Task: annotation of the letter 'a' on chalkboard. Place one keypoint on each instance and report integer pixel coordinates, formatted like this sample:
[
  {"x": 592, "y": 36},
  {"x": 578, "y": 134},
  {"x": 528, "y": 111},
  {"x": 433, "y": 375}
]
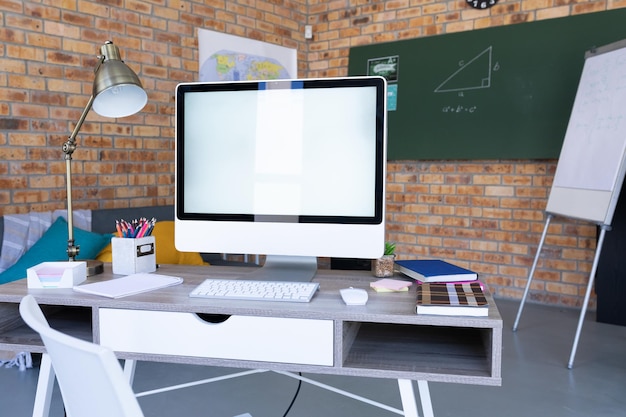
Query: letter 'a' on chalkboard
[{"x": 592, "y": 164}]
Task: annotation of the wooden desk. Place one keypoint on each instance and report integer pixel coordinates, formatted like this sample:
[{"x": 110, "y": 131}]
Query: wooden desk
[{"x": 383, "y": 339}]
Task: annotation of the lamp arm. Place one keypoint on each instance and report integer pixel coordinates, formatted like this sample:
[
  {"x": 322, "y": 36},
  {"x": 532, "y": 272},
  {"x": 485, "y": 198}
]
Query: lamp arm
[{"x": 68, "y": 149}]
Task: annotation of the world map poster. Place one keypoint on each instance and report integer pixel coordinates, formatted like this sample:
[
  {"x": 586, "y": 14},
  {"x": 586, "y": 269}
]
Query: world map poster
[{"x": 224, "y": 57}]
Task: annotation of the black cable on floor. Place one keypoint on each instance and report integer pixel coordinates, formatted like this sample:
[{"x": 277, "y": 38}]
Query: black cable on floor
[{"x": 295, "y": 395}]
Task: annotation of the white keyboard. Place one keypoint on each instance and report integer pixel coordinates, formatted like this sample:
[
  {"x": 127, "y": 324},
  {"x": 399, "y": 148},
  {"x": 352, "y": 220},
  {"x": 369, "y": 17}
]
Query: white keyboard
[{"x": 239, "y": 289}]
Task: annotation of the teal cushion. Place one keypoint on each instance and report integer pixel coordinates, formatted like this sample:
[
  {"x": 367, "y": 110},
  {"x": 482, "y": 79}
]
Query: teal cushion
[{"x": 52, "y": 247}]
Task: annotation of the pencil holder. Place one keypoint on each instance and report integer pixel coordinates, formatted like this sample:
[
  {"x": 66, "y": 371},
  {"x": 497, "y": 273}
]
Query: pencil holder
[{"x": 131, "y": 256}]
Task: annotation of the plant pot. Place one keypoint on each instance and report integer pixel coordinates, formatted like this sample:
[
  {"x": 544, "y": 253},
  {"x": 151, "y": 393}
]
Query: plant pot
[{"x": 383, "y": 267}]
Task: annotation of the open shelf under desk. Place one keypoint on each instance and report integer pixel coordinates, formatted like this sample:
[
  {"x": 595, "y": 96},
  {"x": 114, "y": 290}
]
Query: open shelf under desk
[
  {"x": 17, "y": 336},
  {"x": 458, "y": 354}
]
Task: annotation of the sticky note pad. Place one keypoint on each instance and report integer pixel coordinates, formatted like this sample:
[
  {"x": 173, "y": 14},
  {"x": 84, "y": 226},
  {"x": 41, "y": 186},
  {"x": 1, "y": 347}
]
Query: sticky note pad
[{"x": 388, "y": 285}]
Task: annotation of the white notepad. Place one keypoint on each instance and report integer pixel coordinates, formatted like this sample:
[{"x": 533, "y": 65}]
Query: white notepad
[{"x": 129, "y": 285}]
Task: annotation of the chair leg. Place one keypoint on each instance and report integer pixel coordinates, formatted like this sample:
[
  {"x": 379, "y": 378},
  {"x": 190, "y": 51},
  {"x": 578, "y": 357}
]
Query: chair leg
[{"x": 45, "y": 383}]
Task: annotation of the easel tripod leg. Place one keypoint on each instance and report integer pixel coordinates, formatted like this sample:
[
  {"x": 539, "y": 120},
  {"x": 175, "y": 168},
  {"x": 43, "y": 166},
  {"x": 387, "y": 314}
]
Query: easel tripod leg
[
  {"x": 583, "y": 309},
  {"x": 532, "y": 271}
]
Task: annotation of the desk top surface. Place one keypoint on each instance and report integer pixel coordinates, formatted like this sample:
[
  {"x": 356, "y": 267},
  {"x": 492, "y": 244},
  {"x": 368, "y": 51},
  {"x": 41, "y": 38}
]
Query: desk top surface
[{"x": 397, "y": 307}]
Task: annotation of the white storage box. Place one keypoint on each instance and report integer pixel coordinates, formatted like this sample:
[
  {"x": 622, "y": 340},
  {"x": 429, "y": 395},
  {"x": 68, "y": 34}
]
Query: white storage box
[
  {"x": 56, "y": 274},
  {"x": 131, "y": 256}
]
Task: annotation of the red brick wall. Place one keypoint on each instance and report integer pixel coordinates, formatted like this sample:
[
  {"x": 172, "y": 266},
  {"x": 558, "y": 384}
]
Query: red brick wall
[
  {"x": 483, "y": 214},
  {"x": 47, "y": 55},
  {"x": 488, "y": 216}
]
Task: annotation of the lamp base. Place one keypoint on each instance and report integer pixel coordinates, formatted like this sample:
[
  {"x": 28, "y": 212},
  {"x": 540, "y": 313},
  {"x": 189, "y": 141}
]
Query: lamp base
[{"x": 94, "y": 267}]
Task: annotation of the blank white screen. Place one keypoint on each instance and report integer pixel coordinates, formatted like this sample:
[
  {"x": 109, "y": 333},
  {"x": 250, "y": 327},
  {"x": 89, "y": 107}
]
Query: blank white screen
[{"x": 281, "y": 152}]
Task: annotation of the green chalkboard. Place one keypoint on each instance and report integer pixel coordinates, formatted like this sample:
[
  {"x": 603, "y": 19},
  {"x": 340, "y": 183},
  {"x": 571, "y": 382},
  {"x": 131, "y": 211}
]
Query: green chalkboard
[{"x": 496, "y": 93}]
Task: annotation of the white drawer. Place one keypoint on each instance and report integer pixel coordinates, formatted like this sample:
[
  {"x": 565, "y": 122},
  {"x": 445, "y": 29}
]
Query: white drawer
[{"x": 268, "y": 339}]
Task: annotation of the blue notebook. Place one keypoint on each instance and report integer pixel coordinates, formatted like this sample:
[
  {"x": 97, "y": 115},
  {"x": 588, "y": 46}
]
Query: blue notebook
[{"x": 434, "y": 270}]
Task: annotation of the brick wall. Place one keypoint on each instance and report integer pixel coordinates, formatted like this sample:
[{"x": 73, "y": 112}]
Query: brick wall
[
  {"x": 488, "y": 216},
  {"x": 485, "y": 214},
  {"x": 47, "y": 55}
]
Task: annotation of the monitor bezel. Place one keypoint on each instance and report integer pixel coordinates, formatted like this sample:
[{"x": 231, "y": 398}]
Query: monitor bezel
[{"x": 380, "y": 157}]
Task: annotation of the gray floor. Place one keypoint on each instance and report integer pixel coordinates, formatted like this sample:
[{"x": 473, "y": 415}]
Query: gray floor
[{"x": 536, "y": 381}]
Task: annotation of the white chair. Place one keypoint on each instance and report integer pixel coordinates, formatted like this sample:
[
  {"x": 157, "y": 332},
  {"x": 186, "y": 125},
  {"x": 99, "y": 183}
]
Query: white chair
[{"x": 91, "y": 379}]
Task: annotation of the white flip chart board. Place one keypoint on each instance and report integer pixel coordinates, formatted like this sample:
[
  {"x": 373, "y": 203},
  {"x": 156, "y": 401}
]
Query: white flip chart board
[{"x": 591, "y": 167}]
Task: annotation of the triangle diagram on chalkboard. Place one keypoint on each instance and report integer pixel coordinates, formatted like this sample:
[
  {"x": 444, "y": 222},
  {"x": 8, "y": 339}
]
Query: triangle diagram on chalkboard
[{"x": 472, "y": 75}]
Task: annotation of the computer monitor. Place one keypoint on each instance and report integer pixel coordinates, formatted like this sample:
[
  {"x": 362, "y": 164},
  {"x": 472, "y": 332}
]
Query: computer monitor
[{"x": 291, "y": 169}]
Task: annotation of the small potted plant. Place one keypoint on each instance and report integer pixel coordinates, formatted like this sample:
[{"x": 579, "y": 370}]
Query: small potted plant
[{"x": 383, "y": 266}]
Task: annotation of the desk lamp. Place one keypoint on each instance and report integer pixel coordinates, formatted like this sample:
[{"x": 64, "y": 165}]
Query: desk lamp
[{"x": 117, "y": 92}]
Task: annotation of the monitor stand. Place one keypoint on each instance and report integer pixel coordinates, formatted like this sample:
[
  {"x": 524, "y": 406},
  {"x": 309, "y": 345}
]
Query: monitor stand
[{"x": 285, "y": 268}]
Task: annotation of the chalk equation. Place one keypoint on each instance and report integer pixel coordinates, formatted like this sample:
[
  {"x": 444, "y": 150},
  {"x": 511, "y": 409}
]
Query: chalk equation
[{"x": 459, "y": 109}]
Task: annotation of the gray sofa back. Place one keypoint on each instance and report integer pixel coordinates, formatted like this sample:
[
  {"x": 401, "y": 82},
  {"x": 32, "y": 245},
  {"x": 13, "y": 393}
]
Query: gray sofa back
[{"x": 103, "y": 220}]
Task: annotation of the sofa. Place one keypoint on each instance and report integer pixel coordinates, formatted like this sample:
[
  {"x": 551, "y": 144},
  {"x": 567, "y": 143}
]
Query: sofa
[
  {"x": 94, "y": 243},
  {"x": 103, "y": 220}
]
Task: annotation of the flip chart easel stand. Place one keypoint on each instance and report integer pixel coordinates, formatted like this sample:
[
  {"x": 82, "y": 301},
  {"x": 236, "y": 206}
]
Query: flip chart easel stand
[
  {"x": 592, "y": 164},
  {"x": 603, "y": 229}
]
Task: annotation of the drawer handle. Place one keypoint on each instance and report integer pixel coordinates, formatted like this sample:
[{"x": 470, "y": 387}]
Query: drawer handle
[{"x": 213, "y": 318}]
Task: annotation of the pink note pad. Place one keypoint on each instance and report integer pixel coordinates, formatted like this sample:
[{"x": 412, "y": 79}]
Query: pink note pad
[{"x": 391, "y": 284}]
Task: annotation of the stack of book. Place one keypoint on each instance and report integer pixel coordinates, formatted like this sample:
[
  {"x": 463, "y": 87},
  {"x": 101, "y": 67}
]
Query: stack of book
[
  {"x": 444, "y": 288},
  {"x": 434, "y": 270},
  {"x": 452, "y": 299}
]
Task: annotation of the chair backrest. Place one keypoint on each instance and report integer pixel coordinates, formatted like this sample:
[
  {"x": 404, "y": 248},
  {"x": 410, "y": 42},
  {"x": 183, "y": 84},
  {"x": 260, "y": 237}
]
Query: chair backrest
[{"x": 90, "y": 377}]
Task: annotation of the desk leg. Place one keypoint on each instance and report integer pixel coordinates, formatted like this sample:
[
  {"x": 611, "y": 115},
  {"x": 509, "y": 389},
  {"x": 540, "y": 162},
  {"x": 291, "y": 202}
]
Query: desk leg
[
  {"x": 427, "y": 405},
  {"x": 45, "y": 384},
  {"x": 129, "y": 370},
  {"x": 407, "y": 396}
]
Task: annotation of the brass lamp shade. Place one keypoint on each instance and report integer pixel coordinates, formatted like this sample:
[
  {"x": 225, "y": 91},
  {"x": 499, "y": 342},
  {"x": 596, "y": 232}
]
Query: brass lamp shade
[{"x": 117, "y": 90}]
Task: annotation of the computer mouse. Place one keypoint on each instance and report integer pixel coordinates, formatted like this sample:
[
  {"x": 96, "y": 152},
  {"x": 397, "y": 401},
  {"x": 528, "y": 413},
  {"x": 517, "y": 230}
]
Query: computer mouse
[{"x": 354, "y": 296}]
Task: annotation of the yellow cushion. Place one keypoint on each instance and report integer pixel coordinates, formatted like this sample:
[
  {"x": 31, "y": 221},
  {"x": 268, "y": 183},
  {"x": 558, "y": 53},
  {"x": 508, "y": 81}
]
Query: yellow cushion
[
  {"x": 106, "y": 254},
  {"x": 166, "y": 253}
]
